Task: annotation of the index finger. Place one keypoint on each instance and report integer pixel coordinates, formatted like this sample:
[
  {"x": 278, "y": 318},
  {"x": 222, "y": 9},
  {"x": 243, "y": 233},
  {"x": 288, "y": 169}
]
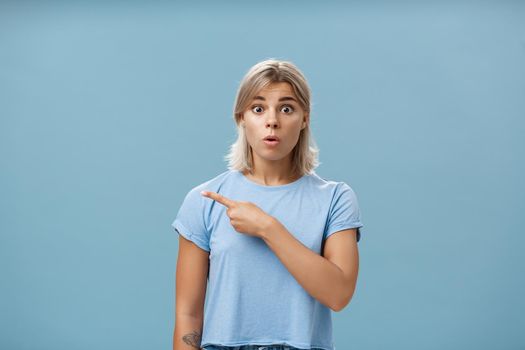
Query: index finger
[{"x": 219, "y": 198}]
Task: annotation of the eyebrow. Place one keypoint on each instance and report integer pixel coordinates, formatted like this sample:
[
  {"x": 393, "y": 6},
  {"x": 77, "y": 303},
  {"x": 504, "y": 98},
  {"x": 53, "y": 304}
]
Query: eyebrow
[{"x": 285, "y": 98}]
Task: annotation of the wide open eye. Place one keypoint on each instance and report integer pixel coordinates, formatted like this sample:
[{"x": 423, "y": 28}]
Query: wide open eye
[
  {"x": 257, "y": 106},
  {"x": 290, "y": 108}
]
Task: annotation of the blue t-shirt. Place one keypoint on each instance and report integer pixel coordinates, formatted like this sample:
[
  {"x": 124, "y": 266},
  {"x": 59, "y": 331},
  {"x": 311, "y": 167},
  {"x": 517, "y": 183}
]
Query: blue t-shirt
[{"x": 251, "y": 297}]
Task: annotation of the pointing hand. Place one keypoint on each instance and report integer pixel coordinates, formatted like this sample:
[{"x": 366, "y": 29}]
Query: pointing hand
[{"x": 245, "y": 217}]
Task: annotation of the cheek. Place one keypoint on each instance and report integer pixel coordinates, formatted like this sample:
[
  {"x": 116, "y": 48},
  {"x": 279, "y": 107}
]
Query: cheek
[
  {"x": 252, "y": 126},
  {"x": 296, "y": 133},
  {"x": 294, "y": 127},
  {"x": 250, "y": 133}
]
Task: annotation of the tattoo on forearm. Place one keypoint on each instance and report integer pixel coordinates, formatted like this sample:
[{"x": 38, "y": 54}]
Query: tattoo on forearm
[{"x": 193, "y": 339}]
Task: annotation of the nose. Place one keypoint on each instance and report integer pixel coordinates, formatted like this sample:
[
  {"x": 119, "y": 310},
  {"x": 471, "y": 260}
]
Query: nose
[{"x": 272, "y": 120}]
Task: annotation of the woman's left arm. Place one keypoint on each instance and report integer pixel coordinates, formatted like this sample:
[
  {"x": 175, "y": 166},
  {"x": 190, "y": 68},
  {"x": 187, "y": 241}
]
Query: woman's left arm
[{"x": 331, "y": 279}]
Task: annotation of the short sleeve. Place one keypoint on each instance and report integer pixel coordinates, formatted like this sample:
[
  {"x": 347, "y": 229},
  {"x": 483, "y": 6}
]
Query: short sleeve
[
  {"x": 190, "y": 220},
  {"x": 344, "y": 212}
]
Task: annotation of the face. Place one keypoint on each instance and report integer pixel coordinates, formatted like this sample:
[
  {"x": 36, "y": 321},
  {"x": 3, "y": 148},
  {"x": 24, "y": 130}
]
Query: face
[{"x": 274, "y": 111}]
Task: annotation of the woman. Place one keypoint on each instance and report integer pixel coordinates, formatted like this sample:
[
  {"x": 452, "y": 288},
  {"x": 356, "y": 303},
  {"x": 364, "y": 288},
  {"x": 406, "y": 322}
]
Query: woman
[{"x": 281, "y": 241}]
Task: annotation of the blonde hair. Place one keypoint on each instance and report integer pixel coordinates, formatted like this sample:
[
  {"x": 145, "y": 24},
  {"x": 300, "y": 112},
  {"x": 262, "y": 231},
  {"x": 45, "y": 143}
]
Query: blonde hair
[{"x": 305, "y": 153}]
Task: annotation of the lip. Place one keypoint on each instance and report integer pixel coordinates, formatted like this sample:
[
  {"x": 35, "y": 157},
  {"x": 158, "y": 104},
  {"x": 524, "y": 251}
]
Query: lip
[
  {"x": 271, "y": 143},
  {"x": 272, "y": 136}
]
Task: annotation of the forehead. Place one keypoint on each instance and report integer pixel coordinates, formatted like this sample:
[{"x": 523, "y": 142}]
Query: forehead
[{"x": 279, "y": 88}]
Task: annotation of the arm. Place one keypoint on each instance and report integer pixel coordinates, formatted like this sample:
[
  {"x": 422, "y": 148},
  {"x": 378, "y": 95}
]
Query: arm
[
  {"x": 191, "y": 281},
  {"x": 187, "y": 333},
  {"x": 331, "y": 278}
]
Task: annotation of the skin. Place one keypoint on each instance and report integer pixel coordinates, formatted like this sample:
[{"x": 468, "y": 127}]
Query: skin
[
  {"x": 331, "y": 277},
  {"x": 286, "y": 119},
  {"x": 272, "y": 165}
]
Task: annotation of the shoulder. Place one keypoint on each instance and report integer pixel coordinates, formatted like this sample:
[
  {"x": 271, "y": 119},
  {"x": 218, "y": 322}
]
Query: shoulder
[
  {"x": 335, "y": 188},
  {"x": 194, "y": 202},
  {"x": 212, "y": 184}
]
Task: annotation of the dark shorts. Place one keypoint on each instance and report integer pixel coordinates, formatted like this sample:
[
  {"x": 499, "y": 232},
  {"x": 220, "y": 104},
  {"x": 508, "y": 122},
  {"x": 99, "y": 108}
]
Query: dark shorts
[{"x": 254, "y": 347}]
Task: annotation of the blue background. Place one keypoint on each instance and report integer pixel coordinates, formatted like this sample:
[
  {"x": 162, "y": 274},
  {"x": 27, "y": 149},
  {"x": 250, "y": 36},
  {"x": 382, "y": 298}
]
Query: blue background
[{"x": 112, "y": 111}]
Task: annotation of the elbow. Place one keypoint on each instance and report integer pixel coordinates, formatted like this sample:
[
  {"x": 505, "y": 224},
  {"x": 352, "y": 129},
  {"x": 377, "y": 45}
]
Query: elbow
[
  {"x": 339, "y": 306},
  {"x": 343, "y": 300},
  {"x": 344, "y": 293}
]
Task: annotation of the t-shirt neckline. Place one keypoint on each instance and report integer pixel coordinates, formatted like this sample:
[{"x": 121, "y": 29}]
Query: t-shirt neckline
[{"x": 270, "y": 188}]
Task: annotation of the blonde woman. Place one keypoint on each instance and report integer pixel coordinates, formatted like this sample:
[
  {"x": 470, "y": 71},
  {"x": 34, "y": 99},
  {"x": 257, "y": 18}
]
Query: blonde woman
[{"x": 267, "y": 249}]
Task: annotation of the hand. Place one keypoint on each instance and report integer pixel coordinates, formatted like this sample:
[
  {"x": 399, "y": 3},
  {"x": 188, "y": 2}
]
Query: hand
[{"x": 245, "y": 217}]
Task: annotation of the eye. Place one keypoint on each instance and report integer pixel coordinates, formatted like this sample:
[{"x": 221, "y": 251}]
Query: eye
[
  {"x": 256, "y": 106},
  {"x": 289, "y": 107}
]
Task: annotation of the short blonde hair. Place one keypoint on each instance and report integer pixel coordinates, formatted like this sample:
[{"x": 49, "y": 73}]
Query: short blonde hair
[{"x": 305, "y": 153}]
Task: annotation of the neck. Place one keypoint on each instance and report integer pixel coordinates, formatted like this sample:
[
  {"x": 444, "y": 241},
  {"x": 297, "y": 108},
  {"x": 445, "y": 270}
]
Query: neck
[{"x": 272, "y": 172}]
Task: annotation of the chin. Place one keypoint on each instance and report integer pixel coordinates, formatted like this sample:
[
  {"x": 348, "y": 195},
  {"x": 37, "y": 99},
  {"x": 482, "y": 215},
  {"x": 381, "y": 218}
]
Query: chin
[{"x": 273, "y": 156}]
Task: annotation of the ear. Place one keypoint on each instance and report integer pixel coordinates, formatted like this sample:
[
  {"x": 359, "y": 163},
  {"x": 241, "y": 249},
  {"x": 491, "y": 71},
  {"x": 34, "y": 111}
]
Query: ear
[{"x": 306, "y": 120}]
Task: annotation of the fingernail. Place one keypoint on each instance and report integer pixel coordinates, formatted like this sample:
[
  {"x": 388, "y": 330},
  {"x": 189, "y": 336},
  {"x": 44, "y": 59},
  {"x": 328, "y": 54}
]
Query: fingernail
[{"x": 204, "y": 192}]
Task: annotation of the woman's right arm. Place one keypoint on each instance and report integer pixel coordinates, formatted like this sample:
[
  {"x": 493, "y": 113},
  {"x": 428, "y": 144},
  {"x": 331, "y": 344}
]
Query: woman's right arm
[{"x": 190, "y": 293}]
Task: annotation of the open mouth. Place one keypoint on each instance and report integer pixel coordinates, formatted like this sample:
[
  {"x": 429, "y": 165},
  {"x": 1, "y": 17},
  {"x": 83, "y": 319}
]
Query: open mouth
[
  {"x": 271, "y": 141},
  {"x": 271, "y": 138}
]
